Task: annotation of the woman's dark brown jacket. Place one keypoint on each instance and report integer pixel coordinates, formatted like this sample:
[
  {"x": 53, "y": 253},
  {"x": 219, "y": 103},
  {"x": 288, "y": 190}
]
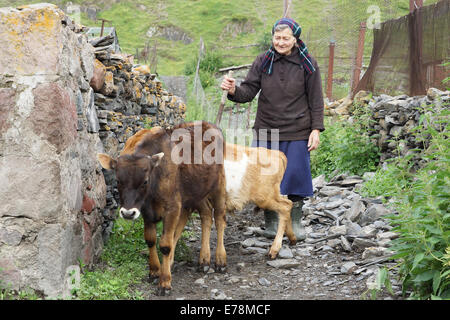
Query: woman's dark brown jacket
[{"x": 291, "y": 99}]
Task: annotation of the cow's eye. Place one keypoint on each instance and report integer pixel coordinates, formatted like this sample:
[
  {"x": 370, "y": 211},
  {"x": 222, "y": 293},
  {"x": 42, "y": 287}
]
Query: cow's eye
[{"x": 145, "y": 182}]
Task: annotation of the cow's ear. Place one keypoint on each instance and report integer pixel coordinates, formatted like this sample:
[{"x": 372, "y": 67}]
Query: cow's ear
[
  {"x": 156, "y": 159},
  {"x": 106, "y": 161}
]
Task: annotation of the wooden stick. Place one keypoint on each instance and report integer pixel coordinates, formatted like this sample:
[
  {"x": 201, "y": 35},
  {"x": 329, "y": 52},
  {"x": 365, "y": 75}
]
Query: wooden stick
[
  {"x": 235, "y": 67},
  {"x": 379, "y": 260},
  {"x": 222, "y": 102}
]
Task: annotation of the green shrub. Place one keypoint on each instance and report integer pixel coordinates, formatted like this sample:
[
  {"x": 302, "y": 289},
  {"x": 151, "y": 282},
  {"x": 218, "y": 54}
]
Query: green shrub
[
  {"x": 345, "y": 147},
  {"x": 424, "y": 219},
  {"x": 264, "y": 41},
  {"x": 386, "y": 182},
  {"x": 394, "y": 176},
  {"x": 209, "y": 64},
  {"x": 190, "y": 67},
  {"x": 207, "y": 79},
  {"x": 422, "y": 201}
]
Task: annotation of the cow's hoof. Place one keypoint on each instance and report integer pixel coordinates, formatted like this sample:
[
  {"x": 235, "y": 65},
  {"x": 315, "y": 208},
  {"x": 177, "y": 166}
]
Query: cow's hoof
[
  {"x": 203, "y": 268},
  {"x": 272, "y": 255},
  {"x": 293, "y": 242},
  {"x": 221, "y": 269},
  {"x": 160, "y": 291}
]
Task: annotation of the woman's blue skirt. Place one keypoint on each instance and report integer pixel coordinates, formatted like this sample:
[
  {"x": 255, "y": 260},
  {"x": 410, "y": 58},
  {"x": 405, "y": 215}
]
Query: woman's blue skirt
[{"x": 297, "y": 179}]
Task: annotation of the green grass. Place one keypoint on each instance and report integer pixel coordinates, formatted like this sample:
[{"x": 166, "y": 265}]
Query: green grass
[
  {"x": 129, "y": 21},
  {"x": 124, "y": 264}
]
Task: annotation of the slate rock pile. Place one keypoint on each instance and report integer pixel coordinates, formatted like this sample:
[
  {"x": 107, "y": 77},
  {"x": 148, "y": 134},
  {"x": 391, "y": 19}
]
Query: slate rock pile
[
  {"x": 394, "y": 118},
  {"x": 339, "y": 222},
  {"x": 346, "y": 220},
  {"x": 128, "y": 97},
  {"x": 336, "y": 219},
  {"x": 125, "y": 98}
]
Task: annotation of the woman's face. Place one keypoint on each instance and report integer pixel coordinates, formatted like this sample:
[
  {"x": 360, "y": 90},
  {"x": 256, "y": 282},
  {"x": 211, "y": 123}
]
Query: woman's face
[{"x": 283, "y": 41}]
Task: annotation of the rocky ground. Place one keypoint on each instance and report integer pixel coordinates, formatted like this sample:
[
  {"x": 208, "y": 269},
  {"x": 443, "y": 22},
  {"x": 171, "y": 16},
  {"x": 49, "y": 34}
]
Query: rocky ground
[{"x": 347, "y": 243}]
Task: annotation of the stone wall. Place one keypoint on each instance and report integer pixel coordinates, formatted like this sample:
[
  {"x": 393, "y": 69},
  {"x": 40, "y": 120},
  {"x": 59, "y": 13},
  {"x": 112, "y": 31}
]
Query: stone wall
[
  {"x": 127, "y": 98},
  {"x": 394, "y": 118},
  {"x": 52, "y": 190},
  {"x": 55, "y": 207}
]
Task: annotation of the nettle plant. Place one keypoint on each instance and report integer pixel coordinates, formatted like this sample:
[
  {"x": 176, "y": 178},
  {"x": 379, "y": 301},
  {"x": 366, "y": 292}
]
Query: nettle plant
[{"x": 422, "y": 201}]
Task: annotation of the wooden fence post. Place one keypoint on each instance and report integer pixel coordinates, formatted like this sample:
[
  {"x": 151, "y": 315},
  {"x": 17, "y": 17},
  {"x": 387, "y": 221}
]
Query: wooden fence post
[
  {"x": 103, "y": 26},
  {"x": 330, "y": 71},
  {"x": 413, "y": 4},
  {"x": 287, "y": 9},
  {"x": 359, "y": 56}
]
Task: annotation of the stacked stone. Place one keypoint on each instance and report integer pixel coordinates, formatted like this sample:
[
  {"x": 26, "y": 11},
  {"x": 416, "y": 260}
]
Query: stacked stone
[
  {"x": 398, "y": 117},
  {"x": 62, "y": 101},
  {"x": 127, "y": 98},
  {"x": 394, "y": 118}
]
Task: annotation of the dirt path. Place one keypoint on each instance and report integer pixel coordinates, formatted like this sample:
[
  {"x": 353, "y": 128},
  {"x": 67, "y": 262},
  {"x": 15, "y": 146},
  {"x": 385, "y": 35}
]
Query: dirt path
[{"x": 315, "y": 270}]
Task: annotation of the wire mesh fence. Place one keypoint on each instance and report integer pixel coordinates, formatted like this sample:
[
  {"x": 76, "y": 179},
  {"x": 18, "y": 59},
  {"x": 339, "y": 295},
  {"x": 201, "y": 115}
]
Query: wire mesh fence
[{"x": 409, "y": 52}]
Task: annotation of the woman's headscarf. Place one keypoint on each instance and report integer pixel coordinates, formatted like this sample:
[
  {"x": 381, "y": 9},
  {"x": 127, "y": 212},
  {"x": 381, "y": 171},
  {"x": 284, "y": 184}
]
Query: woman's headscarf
[{"x": 303, "y": 50}]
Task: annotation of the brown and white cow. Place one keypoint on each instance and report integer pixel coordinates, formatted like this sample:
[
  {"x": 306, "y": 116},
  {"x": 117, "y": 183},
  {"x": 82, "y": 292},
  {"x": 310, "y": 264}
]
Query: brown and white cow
[
  {"x": 153, "y": 185},
  {"x": 253, "y": 175}
]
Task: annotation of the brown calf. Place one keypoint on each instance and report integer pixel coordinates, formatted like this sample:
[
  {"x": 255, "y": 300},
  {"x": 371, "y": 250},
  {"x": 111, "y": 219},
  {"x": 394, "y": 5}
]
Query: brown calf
[
  {"x": 253, "y": 175},
  {"x": 165, "y": 180}
]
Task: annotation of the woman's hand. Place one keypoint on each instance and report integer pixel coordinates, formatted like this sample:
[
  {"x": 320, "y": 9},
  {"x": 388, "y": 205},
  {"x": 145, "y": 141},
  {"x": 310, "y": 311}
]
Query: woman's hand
[
  {"x": 314, "y": 140},
  {"x": 228, "y": 84}
]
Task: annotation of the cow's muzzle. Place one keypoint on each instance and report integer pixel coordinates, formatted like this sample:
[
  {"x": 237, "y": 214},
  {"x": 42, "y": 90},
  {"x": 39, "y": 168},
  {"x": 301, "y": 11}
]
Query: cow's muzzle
[{"x": 130, "y": 214}]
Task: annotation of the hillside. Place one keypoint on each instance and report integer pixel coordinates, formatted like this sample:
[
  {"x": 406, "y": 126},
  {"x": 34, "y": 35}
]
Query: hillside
[
  {"x": 224, "y": 23},
  {"x": 232, "y": 29}
]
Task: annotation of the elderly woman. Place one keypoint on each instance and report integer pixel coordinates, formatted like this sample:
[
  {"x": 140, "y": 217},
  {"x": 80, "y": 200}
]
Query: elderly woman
[{"x": 291, "y": 102}]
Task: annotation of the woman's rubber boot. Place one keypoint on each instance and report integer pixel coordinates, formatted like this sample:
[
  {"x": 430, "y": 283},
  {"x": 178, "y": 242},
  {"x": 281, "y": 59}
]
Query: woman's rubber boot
[
  {"x": 296, "y": 217},
  {"x": 271, "y": 224}
]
